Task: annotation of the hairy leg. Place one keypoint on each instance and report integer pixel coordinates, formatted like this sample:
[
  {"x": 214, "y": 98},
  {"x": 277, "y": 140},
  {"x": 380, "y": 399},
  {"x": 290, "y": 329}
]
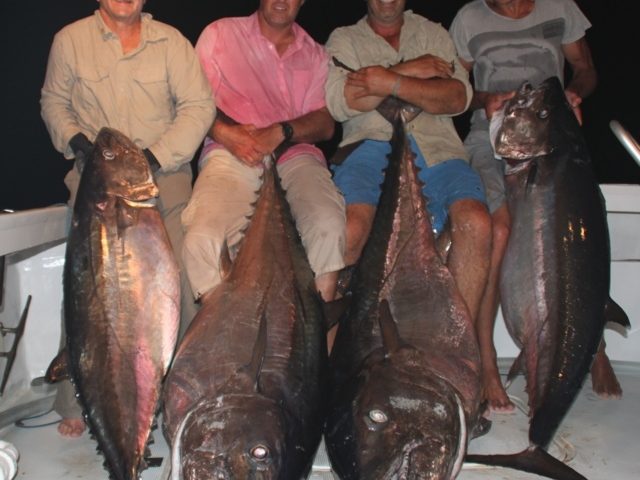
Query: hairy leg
[
  {"x": 469, "y": 256},
  {"x": 493, "y": 390},
  {"x": 359, "y": 222}
]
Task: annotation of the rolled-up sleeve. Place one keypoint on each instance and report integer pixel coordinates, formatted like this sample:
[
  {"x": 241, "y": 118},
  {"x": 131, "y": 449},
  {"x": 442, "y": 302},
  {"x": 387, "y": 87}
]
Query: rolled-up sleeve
[{"x": 341, "y": 47}]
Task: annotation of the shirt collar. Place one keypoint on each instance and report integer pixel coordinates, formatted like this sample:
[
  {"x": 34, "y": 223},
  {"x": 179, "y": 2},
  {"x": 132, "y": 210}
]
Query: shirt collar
[
  {"x": 407, "y": 31},
  {"x": 298, "y": 33},
  {"x": 149, "y": 32}
]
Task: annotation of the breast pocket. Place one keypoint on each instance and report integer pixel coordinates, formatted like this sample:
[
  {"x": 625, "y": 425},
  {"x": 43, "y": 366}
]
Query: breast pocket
[
  {"x": 153, "y": 95},
  {"x": 90, "y": 90}
]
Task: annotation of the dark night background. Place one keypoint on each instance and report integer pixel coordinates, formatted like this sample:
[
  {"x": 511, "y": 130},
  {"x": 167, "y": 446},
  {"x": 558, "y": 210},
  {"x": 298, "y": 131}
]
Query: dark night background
[{"x": 32, "y": 171}]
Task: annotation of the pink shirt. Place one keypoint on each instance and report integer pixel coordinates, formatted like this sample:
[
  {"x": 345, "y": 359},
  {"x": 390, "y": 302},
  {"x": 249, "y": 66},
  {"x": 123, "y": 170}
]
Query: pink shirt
[{"x": 254, "y": 85}]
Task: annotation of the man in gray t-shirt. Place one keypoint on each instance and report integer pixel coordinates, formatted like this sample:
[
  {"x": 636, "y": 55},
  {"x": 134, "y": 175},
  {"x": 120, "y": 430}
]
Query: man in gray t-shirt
[{"x": 506, "y": 42}]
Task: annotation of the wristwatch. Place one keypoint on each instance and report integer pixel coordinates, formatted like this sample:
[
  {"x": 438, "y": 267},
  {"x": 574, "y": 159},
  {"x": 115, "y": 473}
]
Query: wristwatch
[{"x": 287, "y": 131}]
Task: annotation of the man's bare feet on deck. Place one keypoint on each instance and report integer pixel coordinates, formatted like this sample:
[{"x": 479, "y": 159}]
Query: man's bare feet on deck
[
  {"x": 494, "y": 393},
  {"x": 603, "y": 379},
  {"x": 71, "y": 427}
]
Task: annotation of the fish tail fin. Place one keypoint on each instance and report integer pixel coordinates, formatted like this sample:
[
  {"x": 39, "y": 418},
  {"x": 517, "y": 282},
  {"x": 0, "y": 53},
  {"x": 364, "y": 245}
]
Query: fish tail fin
[{"x": 533, "y": 460}]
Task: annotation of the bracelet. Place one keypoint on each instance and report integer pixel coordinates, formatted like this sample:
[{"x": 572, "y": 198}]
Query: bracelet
[{"x": 396, "y": 87}]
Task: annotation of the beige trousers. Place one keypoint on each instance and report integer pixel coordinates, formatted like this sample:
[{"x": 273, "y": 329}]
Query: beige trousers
[{"x": 222, "y": 204}]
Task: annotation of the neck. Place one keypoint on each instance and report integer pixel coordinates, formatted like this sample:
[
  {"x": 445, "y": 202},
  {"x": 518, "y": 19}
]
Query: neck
[
  {"x": 121, "y": 26},
  {"x": 389, "y": 31},
  {"x": 512, "y": 9},
  {"x": 281, "y": 37},
  {"x": 127, "y": 31}
]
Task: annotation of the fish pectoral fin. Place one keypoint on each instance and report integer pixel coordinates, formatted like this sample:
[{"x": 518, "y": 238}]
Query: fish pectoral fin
[
  {"x": 335, "y": 309},
  {"x": 481, "y": 427},
  {"x": 615, "y": 314},
  {"x": 58, "y": 368},
  {"x": 391, "y": 339},
  {"x": 516, "y": 369}
]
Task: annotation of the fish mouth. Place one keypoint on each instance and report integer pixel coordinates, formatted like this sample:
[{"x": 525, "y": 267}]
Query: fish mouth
[
  {"x": 401, "y": 468},
  {"x": 142, "y": 195}
]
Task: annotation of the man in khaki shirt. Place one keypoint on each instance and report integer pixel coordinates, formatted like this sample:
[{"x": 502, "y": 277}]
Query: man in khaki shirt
[
  {"x": 399, "y": 53},
  {"x": 121, "y": 69}
]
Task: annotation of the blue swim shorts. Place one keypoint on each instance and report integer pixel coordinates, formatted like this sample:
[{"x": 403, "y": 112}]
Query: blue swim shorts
[{"x": 359, "y": 178}]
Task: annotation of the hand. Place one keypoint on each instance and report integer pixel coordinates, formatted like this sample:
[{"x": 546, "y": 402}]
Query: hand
[
  {"x": 81, "y": 147},
  {"x": 427, "y": 66},
  {"x": 250, "y": 144},
  {"x": 372, "y": 81},
  {"x": 152, "y": 160},
  {"x": 495, "y": 101},
  {"x": 575, "y": 100}
]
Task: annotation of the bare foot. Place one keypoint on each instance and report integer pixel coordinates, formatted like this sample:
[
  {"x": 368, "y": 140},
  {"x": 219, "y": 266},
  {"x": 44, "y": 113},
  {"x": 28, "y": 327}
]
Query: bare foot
[
  {"x": 495, "y": 395},
  {"x": 71, "y": 427},
  {"x": 603, "y": 379}
]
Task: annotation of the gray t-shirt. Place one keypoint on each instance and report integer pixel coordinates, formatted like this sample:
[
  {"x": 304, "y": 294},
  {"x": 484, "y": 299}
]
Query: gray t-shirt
[{"x": 505, "y": 51}]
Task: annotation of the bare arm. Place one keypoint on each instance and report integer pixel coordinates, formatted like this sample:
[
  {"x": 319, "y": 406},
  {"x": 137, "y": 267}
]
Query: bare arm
[
  {"x": 584, "y": 76},
  {"x": 425, "y": 82},
  {"x": 250, "y": 144}
]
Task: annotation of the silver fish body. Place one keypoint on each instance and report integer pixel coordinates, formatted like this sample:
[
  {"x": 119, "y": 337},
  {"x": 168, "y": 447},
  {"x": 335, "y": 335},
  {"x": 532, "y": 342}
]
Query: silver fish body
[
  {"x": 555, "y": 276},
  {"x": 121, "y": 301},
  {"x": 554, "y": 284}
]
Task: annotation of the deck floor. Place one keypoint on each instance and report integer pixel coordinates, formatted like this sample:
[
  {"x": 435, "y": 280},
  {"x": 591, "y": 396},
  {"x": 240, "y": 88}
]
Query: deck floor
[{"x": 599, "y": 438}]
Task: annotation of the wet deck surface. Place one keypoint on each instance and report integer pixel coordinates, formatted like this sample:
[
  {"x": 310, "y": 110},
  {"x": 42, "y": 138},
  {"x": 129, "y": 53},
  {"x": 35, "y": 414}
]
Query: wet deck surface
[{"x": 598, "y": 438}]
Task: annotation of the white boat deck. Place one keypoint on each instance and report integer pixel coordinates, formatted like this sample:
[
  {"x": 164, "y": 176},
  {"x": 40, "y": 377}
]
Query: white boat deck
[{"x": 599, "y": 438}]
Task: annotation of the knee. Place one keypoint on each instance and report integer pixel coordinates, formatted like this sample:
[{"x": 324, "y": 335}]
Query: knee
[
  {"x": 501, "y": 232},
  {"x": 200, "y": 244},
  {"x": 330, "y": 228},
  {"x": 471, "y": 217}
]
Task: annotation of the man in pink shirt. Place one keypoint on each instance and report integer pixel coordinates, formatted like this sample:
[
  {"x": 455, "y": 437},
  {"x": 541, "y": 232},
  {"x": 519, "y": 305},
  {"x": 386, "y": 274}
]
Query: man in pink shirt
[{"x": 267, "y": 76}]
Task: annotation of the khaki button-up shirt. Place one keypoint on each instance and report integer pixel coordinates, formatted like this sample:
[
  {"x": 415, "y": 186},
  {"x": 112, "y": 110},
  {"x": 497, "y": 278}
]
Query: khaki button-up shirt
[{"x": 156, "y": 94}]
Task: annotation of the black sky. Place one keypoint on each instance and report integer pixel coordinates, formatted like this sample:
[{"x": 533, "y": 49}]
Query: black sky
[{"x": 32, "y": 171}]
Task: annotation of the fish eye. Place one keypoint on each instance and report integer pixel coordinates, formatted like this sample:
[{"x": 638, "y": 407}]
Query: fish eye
[
  {"x": 259, "y": 452},
  {"x": 378, "y": 416},
  {"x": 108, "y": 154},
  {"x": 544, "y": 113}
]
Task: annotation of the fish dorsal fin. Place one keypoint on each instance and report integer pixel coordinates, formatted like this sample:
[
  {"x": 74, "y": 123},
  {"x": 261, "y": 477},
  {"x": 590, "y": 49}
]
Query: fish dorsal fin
[
  {"x": 615, "y": 314},
  {"x": 389, "y": 330},
  {"x": 225, "y": 260}
]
